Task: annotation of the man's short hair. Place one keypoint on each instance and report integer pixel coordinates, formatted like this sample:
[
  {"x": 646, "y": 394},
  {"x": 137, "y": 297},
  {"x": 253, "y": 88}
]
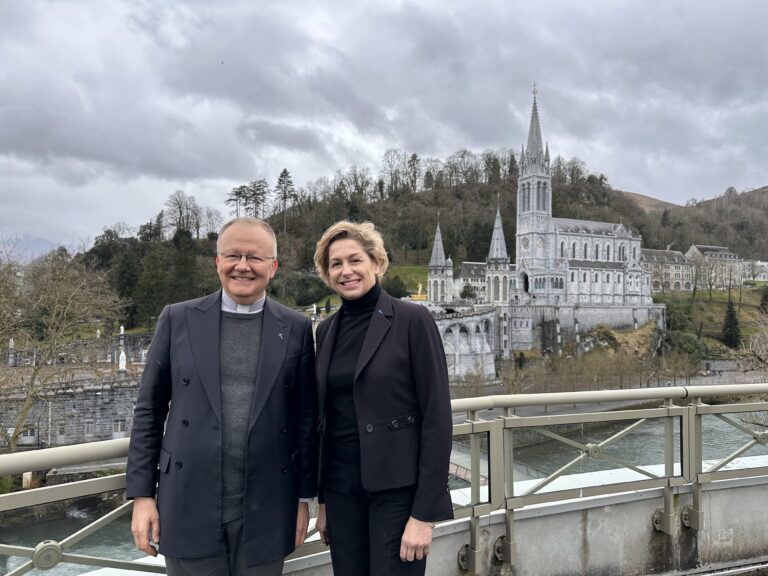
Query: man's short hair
[{"x": 250, "y": 221}]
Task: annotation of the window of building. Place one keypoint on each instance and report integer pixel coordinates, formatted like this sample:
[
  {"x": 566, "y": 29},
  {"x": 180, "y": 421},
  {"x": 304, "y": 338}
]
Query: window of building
[
  {"x": 118, "y": 425},
  {"x": 61, "y": 429},
  {"x": 572, "y": 276},
  {"x": 586, "y": 248},
  {"x": 89, "y": 428}
]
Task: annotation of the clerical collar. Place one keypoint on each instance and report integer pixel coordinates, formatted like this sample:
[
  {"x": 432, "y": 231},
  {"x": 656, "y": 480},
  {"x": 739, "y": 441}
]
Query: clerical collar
[{"x": 229, "y": 305}]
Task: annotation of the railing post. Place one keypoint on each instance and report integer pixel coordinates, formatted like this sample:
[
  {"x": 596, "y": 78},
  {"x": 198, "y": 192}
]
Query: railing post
[
  {"x": 474, "y": 522},
  {"x": 509, "y": 546},
  {"x": 693, "y": 516},
  {"x": 663, "y": 520}
]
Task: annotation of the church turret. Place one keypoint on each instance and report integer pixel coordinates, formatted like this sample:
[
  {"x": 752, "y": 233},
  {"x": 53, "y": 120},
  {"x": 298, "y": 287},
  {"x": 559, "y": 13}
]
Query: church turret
[
  {"x": 440, "y": 275},
  {"x": 497, "y": 271}
]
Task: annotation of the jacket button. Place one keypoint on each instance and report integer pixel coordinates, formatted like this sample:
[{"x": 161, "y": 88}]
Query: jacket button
[
  {"x": 395, "y": 423},
  {"x": 369, "y": 427},
  {"x": 178, "y": 465},
  {"x": 185, "y": 381},
  {"x": 411, "y": 419},
  {"x": 284, "y": 469},
  {"x": 185, "y": 423}
]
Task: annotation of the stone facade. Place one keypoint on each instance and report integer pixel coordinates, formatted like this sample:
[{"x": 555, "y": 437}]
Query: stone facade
[
  {"x": 670, "y": 270},
  {"x": 716, "y": 267},
  {"x": 74, "y": 412}
]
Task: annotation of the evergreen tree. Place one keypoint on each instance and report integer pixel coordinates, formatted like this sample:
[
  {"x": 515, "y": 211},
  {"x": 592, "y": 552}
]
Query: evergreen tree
[
  {"x": 764, "y": 299},
  {"x": 286, "y": 194},
  {"x": 152, "y": 289},
  {"x": 394, "y": 286},
  {"x": 731, "y": 331}
]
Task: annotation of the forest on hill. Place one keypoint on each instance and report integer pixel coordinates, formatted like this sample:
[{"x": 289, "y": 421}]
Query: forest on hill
[{"x": 170, "y": 257}]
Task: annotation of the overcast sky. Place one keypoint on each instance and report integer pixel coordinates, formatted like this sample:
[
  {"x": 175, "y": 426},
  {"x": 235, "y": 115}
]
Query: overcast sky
[{"x": 108, "y": 107}]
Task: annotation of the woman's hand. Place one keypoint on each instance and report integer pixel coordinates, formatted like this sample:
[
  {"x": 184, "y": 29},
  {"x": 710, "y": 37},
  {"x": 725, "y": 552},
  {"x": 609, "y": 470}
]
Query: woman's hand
[
  {"x": 416, "y": 541},
  {"x": 322, "y": 525}
]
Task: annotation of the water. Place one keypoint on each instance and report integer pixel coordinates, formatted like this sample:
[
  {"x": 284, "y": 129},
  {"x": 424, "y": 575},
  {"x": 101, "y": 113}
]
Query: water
[
  {"x": 113, "y": 540},
  {"x": 643, "y": 446}
]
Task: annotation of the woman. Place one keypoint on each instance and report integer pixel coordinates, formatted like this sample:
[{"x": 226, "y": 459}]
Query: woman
[{"x": 385, "y": 415}]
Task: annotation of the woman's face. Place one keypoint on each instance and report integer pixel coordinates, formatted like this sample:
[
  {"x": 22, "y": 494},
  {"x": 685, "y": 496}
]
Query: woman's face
[{"x": 351, "y": 271}]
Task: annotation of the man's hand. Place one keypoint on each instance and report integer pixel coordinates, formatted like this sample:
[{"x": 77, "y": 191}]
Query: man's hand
[
  {"x": 302, "y": 523},
  {"x": 416, "y": 541},
  {"x": 322, "y": 525},
  {"x": 145, "y": 521}
]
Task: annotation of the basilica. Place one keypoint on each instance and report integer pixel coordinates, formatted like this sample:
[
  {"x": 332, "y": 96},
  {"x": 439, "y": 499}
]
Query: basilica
[{"x": 568, "y": 275}]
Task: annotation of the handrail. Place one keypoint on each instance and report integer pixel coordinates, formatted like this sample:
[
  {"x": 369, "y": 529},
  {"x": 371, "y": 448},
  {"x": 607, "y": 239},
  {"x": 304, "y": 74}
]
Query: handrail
[
  {"x": 517, "y": 400},
  {"x": 46, "y": 458},
  {"x": 501, "y": 491}
]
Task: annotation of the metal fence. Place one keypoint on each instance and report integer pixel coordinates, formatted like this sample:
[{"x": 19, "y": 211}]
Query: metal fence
[{"x": 485, "y": 451}]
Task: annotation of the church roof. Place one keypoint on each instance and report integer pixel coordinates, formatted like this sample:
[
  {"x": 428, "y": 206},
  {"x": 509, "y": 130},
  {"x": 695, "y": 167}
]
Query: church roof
[
  {"x": 438, "y": 254},
  {"x": 498, "y": 249},
  {"x": 472, "y": 270},
  {"x": 590, "y": 227},
  {"x": 663, "y": 256},
  {"x": 595, "y": 265},
  {"x": 722, "y": 252}
]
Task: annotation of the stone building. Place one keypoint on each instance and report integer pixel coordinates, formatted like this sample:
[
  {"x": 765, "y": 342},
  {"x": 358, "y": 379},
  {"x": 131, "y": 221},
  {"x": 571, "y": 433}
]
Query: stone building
[
  {"x": 670, "y": 270},
  {"x": 716, "y": 267},
  {"x": 74, "y": 412},
  {"x": 568, "y": 276}
]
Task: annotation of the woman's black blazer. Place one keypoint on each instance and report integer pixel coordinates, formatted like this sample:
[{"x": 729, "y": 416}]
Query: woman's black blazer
[{"x": 402, "y": 403}]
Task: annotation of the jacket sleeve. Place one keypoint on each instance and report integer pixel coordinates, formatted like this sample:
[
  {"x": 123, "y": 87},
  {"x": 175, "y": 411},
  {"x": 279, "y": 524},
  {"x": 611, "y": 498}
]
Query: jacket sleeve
[
  {"x": 306, "y": 413},
  {"x": 430, "y": 379},
  {"x": 150, "y": 413}
]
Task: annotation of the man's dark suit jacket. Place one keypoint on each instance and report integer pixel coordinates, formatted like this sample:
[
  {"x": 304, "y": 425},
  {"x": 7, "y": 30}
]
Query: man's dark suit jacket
[
  {"x": 184, "y": 456},
  {"x": 402, "y": 402}
]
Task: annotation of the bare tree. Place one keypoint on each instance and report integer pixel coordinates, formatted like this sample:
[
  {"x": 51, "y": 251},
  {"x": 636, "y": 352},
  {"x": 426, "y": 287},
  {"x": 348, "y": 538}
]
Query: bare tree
[{"x": 45, "y": 305}]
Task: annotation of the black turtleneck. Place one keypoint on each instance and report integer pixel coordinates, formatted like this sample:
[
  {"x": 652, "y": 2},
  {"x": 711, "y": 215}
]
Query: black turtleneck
[{"x": 341, "y": 418}]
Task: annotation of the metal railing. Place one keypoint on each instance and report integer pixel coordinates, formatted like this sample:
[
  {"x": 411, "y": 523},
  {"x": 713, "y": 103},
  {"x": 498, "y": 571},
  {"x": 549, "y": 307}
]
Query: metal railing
[{"x": 489, "y": 459}]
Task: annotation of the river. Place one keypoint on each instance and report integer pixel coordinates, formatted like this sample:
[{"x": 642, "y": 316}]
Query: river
[{"x": 643, "y": 446}]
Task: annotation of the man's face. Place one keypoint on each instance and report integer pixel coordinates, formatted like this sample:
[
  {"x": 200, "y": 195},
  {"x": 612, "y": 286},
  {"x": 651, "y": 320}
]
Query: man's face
[{"x": 243, "y": 279}]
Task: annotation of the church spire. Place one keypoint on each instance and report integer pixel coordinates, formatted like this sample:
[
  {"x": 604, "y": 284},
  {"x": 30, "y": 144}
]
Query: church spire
[
  {"x": 438, "y": 254},
  {"x": 534, "y": 148},
  {"x": 498, "y": 250}
]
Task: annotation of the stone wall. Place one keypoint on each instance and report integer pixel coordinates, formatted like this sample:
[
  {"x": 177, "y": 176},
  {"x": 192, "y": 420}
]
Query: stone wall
[{"x": 74, "y": 412}]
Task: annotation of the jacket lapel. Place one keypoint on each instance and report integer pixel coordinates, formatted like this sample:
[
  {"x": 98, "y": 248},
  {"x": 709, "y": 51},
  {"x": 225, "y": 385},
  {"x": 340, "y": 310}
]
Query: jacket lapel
[
  {"x": 377, "y": 329},
  {"x": 275, "y": 335},
  {"x": 203, "y": 321}
]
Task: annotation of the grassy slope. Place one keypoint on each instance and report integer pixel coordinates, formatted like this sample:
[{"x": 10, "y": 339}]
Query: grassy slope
[{"x": 708, "y": 315}]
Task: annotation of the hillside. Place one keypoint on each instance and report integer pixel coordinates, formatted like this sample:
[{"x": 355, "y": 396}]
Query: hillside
[{"x": 646, "y": 203}]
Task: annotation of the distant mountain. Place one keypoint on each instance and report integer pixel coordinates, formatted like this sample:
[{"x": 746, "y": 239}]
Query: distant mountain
[{"x": 647, "y": 203}]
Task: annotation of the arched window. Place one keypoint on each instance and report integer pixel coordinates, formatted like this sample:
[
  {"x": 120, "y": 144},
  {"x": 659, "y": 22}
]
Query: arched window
[
  {"x": 586, "y": 251},
  {"x": 608, "y": 253},
  {"x": 573, "y": 274},
  {"x": 634, "y": 253},
  {"x": 573, "y": 250},
  {"x": 597, "y": 277},
  {"x": 584, "y": 279},
  {"x": 538, "y": 195},
  {"x": 597, "y": 251},
  {"x": 495, "y": 288},
  {"x": 562, "y": 249}
]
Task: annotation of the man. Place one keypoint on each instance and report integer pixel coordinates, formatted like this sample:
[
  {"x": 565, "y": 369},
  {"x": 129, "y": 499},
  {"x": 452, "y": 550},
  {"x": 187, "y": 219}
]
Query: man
[{"x": 224, "y": 441}]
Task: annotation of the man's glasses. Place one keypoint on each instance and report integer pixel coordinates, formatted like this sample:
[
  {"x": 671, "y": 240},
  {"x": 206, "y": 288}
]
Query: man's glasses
[{"x": 234, "y": 258}]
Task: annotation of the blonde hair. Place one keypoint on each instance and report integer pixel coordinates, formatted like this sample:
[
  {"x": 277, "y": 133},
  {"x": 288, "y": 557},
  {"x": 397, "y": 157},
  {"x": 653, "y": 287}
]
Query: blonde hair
[{"x": 365, "y": 233}]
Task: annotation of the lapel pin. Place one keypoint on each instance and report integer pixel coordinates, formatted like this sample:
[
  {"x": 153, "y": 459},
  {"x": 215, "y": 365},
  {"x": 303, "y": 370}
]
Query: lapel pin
[{"x": 280, "y": 334}]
